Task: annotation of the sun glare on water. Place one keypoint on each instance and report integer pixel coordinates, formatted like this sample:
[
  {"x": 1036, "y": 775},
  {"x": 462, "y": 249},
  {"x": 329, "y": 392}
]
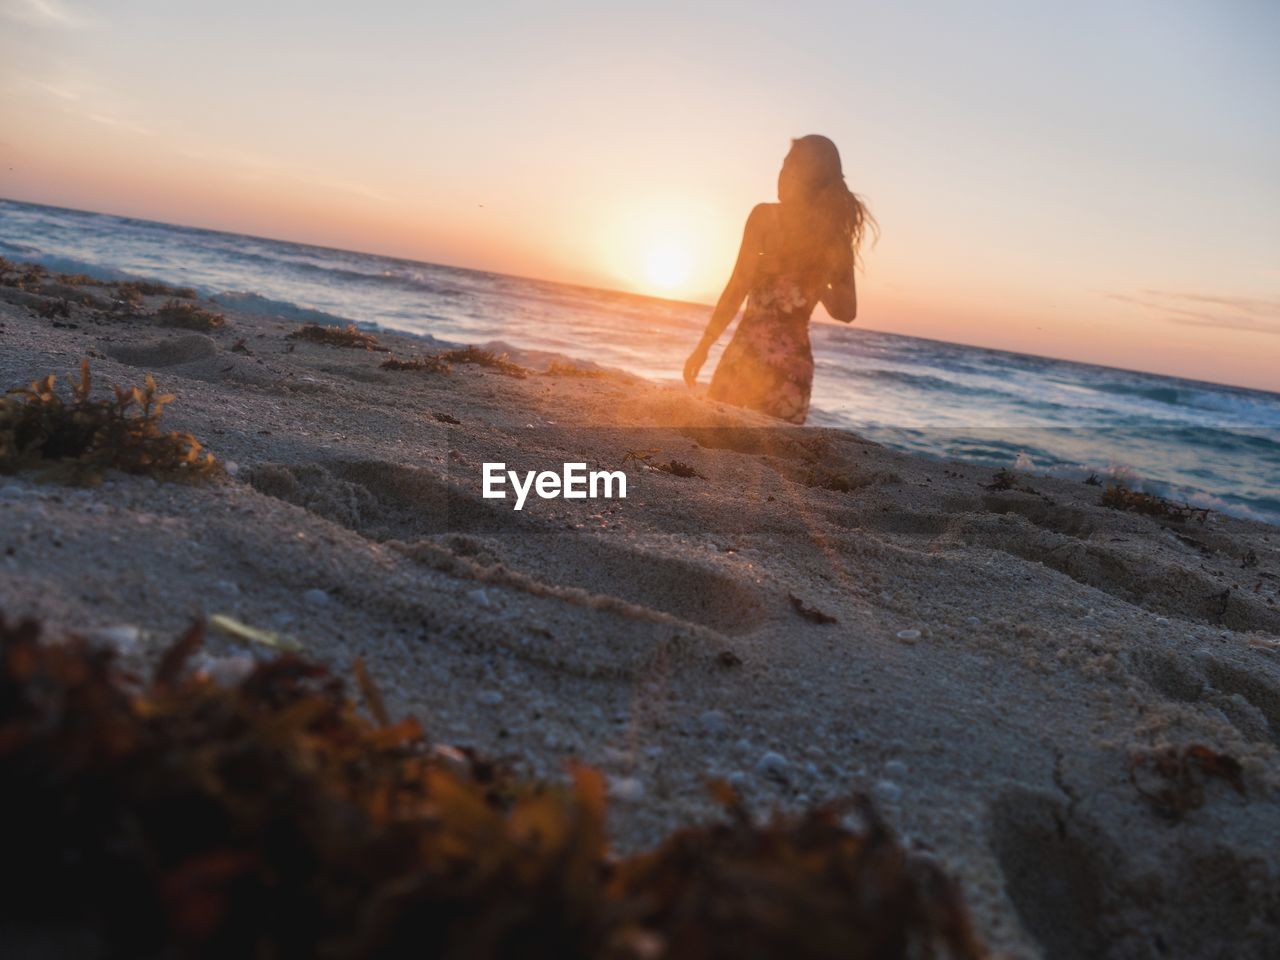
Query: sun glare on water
[{"x": 668, "y": 267}]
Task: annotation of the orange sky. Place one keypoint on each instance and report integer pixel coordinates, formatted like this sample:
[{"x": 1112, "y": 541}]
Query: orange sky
[{"x": 1091, "y": 184}]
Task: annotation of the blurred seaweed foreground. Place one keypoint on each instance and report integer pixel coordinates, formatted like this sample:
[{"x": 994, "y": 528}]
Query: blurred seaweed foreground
[
  {"x": 178, "y": 817},
  {"x": 78, "y": 437}
]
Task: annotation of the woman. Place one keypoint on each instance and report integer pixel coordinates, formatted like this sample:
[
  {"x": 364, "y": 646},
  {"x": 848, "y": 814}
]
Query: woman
[{"x": 795, "y": 253}]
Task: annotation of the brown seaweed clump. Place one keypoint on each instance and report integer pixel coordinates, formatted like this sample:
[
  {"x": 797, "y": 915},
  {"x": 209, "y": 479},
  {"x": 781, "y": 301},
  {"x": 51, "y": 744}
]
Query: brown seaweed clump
[
  {"x": 348, "y": 337},
  {"x": 81, "y": 437},
  {"x": 431, "y": 363},
  {"x": 182, "y": 818},
  {"x": 1119, "y": 497},
  {"x": 137, "y": 289},
  {"x": 485, "y": 358},
  {"x": 558, "y": 369},
  {"x": 22, "y": 276},
  {"x": 189, "y": 316},
  {"x": 678, "y": 468}
]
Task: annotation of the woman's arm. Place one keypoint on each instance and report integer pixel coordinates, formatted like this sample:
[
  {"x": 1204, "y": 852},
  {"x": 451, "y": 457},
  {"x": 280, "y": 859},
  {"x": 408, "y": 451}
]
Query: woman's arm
[
  {"x": 840, "y": 296},
  {"x": 735, "y": 292}
]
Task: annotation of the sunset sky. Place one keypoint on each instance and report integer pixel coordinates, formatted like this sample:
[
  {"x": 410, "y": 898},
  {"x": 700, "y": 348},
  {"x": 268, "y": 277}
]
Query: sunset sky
[{"x": 1096, "y": 180}]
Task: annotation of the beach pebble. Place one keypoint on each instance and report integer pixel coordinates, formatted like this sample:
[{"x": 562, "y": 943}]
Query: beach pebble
[
  {"x": 316, "y": 597},
  {"x": 896, "y": 769},
  {"x": 478, "y": 597},
  {"x": 490, "y": 698},
  {"x": 713, "y": 722},
  {"x": 888, "y": 791},
  {"x": 1204, "y": 656},
  {"x": 743, "y": 745},
  {"x": 626, "y": 789},
  {"x": 737, "y": 779},
  {"x": 231, "y": 467},
  {"x": 908, "y": 636},
  {"x": 771, "y": 764},
  {"x": 227, "y": 587}
]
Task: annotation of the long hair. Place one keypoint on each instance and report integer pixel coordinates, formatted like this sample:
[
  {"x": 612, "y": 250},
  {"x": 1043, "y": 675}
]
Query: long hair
[{"x": 824, "y": 222}]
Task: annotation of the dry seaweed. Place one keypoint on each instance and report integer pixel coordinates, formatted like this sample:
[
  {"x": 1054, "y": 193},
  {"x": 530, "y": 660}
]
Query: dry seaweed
[
  {"x": 1003, "y": 479},
  {"x": 558, "y": 369},
  {"x": 53, "y": 307},
  {"x": 1172, "y": 779},
  {"x": 270, "y": 818},
  {"x": 428, "y": 364},
  {"x": 485, "y": 358},
  {"x": 81, "y": 280},
  {"x": 21, "y": 276},
  {"x": 678, "y": 468},
  {"x": 638, "y": 456},
  {"x": 188, "y": 316},
  {"x": 348, "y": 337},
  {"x": 137, "y": 289},
  {"x": 1119, "y": 497},
  {"x": 825, "y": 478},
  {"x": 77, "y": 439}
]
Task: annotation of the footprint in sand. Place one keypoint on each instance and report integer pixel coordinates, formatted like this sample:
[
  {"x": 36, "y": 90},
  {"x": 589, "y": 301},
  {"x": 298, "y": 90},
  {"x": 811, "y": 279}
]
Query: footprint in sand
[
  {"x": 1248, "y": 697},
  {"x": 1078, "y": 896},
  {"x": 385, "y": 501},
  {"x": 165, "y": 352},
  {"x": 1057, "y": 872}
]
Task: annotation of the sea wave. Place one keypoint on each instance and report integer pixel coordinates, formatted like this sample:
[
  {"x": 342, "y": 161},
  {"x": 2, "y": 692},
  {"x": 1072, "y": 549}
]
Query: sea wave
[
  {"x": 255, "y": 303},
  {"x": 940, "y": 399},
  {"x": 1246, "y": 405}
]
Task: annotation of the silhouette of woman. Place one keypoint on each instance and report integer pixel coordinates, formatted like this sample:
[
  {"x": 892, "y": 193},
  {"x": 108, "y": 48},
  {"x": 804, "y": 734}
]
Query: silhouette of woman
[{"x": 794, "y": 253}]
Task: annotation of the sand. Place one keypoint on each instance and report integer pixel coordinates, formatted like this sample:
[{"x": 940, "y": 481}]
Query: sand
[{"x": 985, "y": 663}]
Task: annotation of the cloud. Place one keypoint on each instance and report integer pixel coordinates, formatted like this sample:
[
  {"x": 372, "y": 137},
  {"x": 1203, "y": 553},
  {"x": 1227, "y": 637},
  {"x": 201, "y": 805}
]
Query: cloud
[
  {"x": 1223, "y": 312},
  {"x": 54, "y": 90},
  {"x": 120, "y": 124},
  {"x": 42, "y": 13},
  {"x": 257, "y": 168}
]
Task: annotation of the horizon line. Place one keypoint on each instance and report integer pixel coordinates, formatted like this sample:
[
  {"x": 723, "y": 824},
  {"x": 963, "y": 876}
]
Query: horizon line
[{"x": 630, "y": 293}]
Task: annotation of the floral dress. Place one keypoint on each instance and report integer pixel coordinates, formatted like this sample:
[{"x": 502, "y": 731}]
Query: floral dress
[{"x": 768, "y": 365}]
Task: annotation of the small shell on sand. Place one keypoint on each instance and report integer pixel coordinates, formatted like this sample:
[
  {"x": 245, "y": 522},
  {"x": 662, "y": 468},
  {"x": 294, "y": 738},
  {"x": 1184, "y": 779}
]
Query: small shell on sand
[
  {"x": 908, "y": 636},
  {"x": 626, "y": 789}
]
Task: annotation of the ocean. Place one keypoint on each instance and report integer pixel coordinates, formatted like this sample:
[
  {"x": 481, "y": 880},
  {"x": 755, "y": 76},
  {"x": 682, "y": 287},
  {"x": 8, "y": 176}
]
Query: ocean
[{"x": 1212, "y": 445}]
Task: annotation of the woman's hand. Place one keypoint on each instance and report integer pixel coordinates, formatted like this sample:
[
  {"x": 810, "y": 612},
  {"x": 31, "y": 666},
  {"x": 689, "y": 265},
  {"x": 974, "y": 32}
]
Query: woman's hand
[{"x": 693, "y": 365}]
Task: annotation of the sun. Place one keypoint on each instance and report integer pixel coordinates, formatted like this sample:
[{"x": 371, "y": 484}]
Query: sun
[{"x": 668, "y": 266}]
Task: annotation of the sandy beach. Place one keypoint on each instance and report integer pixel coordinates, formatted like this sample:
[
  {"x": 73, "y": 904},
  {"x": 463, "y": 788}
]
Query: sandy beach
[{"x": 996, "y": 661}]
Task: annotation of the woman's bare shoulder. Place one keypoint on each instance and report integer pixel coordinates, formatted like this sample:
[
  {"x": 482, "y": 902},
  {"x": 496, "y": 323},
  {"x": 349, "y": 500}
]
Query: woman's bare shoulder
[{"x": 761, "y": 218}]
